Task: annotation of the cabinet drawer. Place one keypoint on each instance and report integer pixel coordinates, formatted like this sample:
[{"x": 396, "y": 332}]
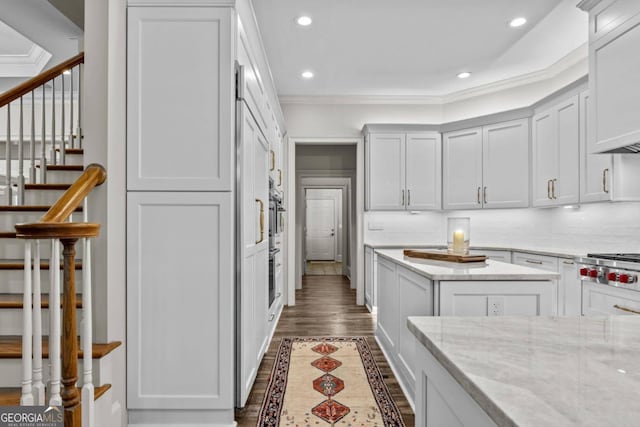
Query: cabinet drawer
[
  {"x": 536, "y": 261},
  {"x": 607, "y": 300},
  {"x": 504, "y": 256}
]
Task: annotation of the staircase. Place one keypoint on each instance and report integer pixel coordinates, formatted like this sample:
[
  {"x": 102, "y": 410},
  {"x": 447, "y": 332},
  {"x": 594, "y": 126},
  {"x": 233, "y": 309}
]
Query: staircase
[{"x": 43, "y": 210}]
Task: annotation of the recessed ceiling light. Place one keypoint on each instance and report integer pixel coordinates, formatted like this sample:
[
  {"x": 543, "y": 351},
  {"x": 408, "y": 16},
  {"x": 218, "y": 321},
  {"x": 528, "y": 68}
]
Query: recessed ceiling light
[
  {"x": 307, "y": 74},
  {"x": 464, "y": 75},
  {"x": 304, "y": 21},
  {"x": 518, "y": 22}
]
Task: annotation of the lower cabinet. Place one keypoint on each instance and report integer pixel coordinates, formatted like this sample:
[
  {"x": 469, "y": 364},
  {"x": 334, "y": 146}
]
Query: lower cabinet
[
  {"x": 388, "y": 319},
  {"x": 180, "y": 301},
  {"x": 598, "y": 300},
  {"x": 496, "y": 255},
  {"x": 569, "y": 289}
]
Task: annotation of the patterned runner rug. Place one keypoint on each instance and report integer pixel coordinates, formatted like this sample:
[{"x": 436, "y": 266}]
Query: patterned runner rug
[{"x": 327, "y": 381}]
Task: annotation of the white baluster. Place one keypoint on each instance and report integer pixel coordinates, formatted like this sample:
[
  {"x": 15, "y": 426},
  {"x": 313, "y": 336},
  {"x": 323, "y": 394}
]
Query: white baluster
[
  {"x": 54, "y": 329},
  {"x": 32, "y": 146},
  {"x": 38, "y": 386},
  {"x": 79, "y": 131},
  {"x": 87, "y": 338},
  {"x": 54, "y": 160},
  {"x": 70, "y": 114},
  {"x": 21, "y": 153},
  {"x": 26, "y": 399},
  {"x": 43, "y": 148},
  {"x": 62, "y": 130},
  {"x": 8, "y": 157}
]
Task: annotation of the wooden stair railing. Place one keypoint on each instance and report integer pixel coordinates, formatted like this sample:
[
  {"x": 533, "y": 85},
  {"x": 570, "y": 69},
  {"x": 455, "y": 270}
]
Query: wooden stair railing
[
  {"x": 64, "y": 129},
  {"x": 52, "y": 226}
]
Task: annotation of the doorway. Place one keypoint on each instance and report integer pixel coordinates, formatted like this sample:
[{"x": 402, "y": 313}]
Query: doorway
[{"x": 324, "y": 241}]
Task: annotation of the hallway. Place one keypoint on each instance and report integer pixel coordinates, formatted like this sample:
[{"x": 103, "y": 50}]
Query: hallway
[{"x": 325, "y": 306}]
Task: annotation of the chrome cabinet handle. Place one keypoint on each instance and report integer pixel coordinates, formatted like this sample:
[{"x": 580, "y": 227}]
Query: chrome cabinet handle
[
  {"x": 273, "y": 316},
  {"x": 530, "y": 261},
  {"x": 553, "y": 188},
  {"x": 408, "y": 197},
  {"x": 402, "y": 197},
  {"x": 628, "y": 310},
  {"x": 478, "y": 196},
  {"x": 484, "y": 195},
  {"x": 568, "y": 262},
  {"x": 549, "y": 189},
  {"x": 605, "y": 175}
]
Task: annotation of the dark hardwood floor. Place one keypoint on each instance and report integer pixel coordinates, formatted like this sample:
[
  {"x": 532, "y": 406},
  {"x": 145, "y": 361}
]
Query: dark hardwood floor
[{"x": 325, "y": 306}]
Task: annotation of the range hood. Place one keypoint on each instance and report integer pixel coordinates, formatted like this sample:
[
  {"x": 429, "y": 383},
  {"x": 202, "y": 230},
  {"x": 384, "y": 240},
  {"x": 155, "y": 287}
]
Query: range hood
[{"x": 626, "y": 149}]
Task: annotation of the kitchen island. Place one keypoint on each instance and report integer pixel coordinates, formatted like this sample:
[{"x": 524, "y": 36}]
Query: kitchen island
[
  {"x": 416, "y": 287},
  {"x": 527, "y": 371}
]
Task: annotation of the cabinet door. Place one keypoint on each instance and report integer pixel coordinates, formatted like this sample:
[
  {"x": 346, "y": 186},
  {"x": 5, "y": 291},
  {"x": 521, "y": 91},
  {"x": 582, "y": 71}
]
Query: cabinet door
[
  {"x": 614, "y": 81},
  {"x": 386, "y": 171},
  {"x": 180, "y": 129},
  {"x": 387, "y": 328},
  {"x": 368, "y": 277},
  {"x": 505, "y": 164},
  {"x": 462, "y": 169},
  {"x": 566, "y": 188},
  {"x": 544, "y": 156},
  {"x": 595, "y": 169},
  {"x": 598, "y": 300},
  {"x": 424, "y": 171},
  {"x": 180, "y": 300},
  {"x": 569, "y": 290},
  {"x": 414, "y": 299}
]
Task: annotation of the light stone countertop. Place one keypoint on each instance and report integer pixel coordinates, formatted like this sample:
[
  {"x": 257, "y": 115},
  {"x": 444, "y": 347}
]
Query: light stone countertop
[
  {"x": 542, "y": 371},
  {"x": 548, "y": 251},
  {"x": 473, "y": 271}
]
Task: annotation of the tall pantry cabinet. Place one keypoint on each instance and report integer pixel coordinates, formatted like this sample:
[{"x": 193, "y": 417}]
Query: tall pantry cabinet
[{"x": 180, "y": 214}]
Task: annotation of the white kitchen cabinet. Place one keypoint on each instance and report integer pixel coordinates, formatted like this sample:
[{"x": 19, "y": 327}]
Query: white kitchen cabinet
[
  {"x": 604, "y": 300},
  {"x": 596, "y": 170},
  {"x": 179, "y": 130},
  {"x": 504, "y": 256},
  {"x": 543, "y": 262},
  {"x": 569, "y": 289},
  {"x": 253, "y": 250},
  {"x": 415, "y": 298},
  {"x": 504, "y": 298},
  {"x": 487, "y": 167},
  {"x": 462, "y": 169},
  {"x": 555, "y": 154},
  {"x": 614, "y": 75},
  {"x": 388, "y": 319},
  {"x": 179, "y": 300},
  {"x": 403, "y": 171},
  {"x": 370, "y": 282}
]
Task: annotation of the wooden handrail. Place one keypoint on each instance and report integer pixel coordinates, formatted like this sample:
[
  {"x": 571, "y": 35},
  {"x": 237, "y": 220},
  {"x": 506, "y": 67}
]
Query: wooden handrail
[
  {"x": 93, "y": 176},
  {"x": 40, "y": 79}
]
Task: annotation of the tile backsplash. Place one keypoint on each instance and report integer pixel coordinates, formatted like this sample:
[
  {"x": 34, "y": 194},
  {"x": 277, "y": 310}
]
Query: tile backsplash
[{"x": 592, "y": 227}]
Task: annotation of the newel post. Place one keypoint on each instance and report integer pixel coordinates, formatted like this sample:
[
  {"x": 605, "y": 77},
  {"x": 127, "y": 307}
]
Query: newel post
[{"x": 70, "y": 393}]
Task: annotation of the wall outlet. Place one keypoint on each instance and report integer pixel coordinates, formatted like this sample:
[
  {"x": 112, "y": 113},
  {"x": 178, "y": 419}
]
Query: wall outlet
[{"x": 495, "y": 306}]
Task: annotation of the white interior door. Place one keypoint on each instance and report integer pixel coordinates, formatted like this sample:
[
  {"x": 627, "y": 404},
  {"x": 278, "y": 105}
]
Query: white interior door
[{"x": 321, "y": 229}]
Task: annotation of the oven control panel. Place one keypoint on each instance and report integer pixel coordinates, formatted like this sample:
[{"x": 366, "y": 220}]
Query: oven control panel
[{"x": 609, "y": 276}]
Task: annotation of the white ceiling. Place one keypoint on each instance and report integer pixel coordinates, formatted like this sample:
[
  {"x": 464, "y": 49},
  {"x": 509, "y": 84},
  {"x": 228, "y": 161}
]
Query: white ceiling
[
  {"x": 415, "y": 47},
  {"x": 19, "y": 56}
]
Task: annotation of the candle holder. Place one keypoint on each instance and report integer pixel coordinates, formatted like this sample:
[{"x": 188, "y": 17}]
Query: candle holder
[{"x": 458, "y": 235}]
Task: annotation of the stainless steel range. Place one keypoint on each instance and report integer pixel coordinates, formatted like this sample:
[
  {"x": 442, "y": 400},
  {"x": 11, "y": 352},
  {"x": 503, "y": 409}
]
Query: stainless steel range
[{"x": 610, "y": 283}]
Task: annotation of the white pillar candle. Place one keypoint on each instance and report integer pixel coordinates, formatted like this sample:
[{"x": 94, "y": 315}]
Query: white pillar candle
[{"x": 458, "y": 241}]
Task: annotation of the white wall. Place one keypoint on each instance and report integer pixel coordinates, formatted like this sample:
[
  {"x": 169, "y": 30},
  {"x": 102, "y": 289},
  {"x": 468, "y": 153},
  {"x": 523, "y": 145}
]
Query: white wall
[{"x": 599, "y": 227}]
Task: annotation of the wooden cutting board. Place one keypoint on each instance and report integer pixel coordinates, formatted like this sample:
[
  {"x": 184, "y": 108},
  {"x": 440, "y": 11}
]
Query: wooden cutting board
[{"x": 443, "y": 256}]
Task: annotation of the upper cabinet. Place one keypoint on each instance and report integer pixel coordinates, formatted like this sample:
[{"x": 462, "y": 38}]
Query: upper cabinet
[
  {"x": 403, "y": 171},
  {"x": 555, "y": 154},
  {"x": 179, "y": 129},
  {"x": 614, "y": 75},
  {"x": 596, "y": 170},
  {"x": 487, "y": 167}
]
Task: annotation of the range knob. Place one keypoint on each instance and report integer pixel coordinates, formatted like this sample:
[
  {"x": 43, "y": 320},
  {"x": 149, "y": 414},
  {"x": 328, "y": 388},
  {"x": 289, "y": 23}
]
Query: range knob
[
  {"x": 584, "y": 271},
  {"x": 627, "y": 278},
  {"x": 613, "y": 277},
  {"x": 593, "y": 273}
]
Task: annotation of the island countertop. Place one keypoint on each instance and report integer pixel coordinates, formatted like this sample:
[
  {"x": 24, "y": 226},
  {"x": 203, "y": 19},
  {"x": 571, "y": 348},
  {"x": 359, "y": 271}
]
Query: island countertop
[
  {"x": 542, "y": 371},
  {"x": 476, "y": 271}
]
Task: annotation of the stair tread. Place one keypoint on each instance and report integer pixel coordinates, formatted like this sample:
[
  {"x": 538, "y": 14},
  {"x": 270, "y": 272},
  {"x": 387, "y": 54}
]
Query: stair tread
[
  {"x": 30, "y": 208},
  {"x": 79, "y": 168},
  {"x": 10, "y": 396},
  {"x": 15, "y": 301},
  {"x": 46, "y": 186},
  {"x": 72, "y": 150},
  {"x": 7, "y": 234},
  {"x": 19, "y": 265},
  {"x": 11, "y": 348}
]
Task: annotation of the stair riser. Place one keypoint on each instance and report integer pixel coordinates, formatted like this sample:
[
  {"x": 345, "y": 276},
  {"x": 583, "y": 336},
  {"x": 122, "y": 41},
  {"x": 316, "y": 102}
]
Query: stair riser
[
  {"x": 9, "y": 219},
  {"x": 11, "y": 371},
  {"x": 11, "y": 321},
  {"x": 11, "y": 281},
  {"x": 42, "y": 197},
  {"x": 62, "y": 177},
  {"x": 73, "y": 159}
]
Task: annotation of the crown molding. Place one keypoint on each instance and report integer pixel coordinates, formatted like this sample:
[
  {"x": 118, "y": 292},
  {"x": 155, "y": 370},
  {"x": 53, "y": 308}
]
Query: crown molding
[
  {"x": 587, "y": 5},
  {"x": 577, "y": 56}
]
